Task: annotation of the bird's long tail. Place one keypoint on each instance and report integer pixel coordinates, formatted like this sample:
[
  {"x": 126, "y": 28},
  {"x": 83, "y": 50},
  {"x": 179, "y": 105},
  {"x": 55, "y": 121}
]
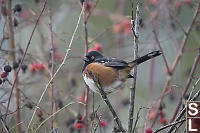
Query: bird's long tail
[{"x": 144, "y": 58}]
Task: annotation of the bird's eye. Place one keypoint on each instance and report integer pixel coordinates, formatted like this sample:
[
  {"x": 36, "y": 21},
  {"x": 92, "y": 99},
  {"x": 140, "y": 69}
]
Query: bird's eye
[{"x": 92, "y": 57}]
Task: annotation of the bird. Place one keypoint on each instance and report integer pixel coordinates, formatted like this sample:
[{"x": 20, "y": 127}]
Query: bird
[{"x": 110, "y": 72}]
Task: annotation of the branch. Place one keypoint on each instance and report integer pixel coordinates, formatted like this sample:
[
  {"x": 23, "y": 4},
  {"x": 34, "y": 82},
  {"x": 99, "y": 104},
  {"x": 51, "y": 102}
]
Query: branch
[
  {"x": 52, "y": 51},
  {"x": 58, "y": 69},
  {"x": 13, "y": 59},
  {"x": 196, "y": 95},
  {"x": 179, "y": 55},
  {"x": 85, "y": 17},
  {"x": 187, "y": 85},
  {"x": 105, "y": 98},
  {"x": 20, "y": 65},
  {"x": 135, "y": 52},
  {"x": 169, "y": 125}
]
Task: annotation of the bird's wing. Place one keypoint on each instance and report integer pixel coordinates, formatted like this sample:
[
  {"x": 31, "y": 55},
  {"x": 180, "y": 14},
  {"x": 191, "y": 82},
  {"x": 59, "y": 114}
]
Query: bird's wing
[{"x": 112, "y": 62}]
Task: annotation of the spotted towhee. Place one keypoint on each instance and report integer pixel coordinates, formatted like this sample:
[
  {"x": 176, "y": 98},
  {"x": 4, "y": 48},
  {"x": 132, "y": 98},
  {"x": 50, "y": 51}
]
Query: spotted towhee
[{"x": 110, "y": 72}]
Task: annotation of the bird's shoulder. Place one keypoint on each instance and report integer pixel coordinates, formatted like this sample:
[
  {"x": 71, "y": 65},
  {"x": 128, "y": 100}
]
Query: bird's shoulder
[{"x": 112, "y": 62}]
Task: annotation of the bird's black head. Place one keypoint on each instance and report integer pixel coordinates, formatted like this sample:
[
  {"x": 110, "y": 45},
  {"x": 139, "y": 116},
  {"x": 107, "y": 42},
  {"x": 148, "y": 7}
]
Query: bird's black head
[{"x": 91, "y": 56}]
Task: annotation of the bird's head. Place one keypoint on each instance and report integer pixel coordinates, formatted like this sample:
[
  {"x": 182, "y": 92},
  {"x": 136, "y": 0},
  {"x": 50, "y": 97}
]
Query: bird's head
[{"x": 91, "y": 56}]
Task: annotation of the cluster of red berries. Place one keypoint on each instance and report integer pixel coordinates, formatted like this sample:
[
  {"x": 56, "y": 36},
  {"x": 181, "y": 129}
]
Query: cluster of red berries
[
  {"x": 79, "y": 122},
  {"x": 97, "y": 47},
  {"x": 36, "y": 66},
  {"x": 123, "y": 27},
  {"x": 75, "y": 124},
  {"x": 148, "y": 130},
  {"x": 162, "y": 120},
  {"x": 102, "y": 122}
]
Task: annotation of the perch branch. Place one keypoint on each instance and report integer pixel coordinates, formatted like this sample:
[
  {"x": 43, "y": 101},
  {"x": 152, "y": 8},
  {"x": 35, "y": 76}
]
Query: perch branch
[{"x": 105, "y": 98}]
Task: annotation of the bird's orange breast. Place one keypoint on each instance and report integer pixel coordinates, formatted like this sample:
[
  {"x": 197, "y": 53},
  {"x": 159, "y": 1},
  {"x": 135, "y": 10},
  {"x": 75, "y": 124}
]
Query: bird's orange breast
[{"x": 105, "y": 75}]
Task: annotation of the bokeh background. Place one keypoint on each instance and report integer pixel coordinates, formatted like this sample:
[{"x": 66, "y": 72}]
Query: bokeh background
[{"x": 109, "y": 29}]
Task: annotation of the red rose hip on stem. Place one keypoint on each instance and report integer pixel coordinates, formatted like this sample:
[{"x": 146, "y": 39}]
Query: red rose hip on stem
[
  {"x": 98, "y": 47},
  {"x": 78, "y": 125},
  {"x": 103, "y": 123},
  {"x": 4, "y": 74},
  {"x": 163, "y": 120},
  {"x": 148, "y": 130},
  {"x": 153, "y": 2}
]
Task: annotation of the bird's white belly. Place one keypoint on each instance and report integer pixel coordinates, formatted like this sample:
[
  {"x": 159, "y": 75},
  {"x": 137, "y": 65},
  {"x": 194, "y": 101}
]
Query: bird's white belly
[{"x": 94, "y": 88}]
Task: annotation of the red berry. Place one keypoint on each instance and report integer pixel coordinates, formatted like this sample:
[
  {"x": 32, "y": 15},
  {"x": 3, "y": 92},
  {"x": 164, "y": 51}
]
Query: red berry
[
  {"x": 78, "y": 125},
  {"x": 39, "y": 113},
  {"x": 4, "y": 74},
  {"x": 187, "y": 2},
  {"x": 89, "y": 5},
  {"x": 98, "y": 47},
  {"x": 126, "y": 26},
  {"x": 148, "y": 130},
  {"x": 163, "y": 120},
  {"x": 153, "y": 2},
  {"x": 103, "y": 123},
  {"x": 31, "y": 67},
  {"x": 161, "y": 113},
  {"x": 151, "y": 115},
  {"x": 40, "y": 67},
  {"x": 24, "y": 15},
  {"x": 178, "y": 4}
]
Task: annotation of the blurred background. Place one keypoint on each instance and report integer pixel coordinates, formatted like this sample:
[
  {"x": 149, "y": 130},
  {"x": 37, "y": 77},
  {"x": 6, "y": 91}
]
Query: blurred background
[{"x": 109, "y": 32}]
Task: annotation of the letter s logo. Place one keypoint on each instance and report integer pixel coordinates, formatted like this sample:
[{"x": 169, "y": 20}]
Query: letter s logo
[{"x": 193, "y": 107}]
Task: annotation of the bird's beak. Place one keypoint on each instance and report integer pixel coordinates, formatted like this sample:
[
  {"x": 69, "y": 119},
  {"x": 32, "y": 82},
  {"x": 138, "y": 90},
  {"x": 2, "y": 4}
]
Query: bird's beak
[{"x": 85, "y": 59}]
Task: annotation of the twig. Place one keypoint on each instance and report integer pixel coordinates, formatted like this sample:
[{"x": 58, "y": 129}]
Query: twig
[
  {"x": 171, "y": 13},
  {"x": 105, "y": 98},
  {"x": 135, "y": 52},
  {"x": 59, "y": 68},
  {"x": 13, "y": 59},
  {"x": 100, "y": 34},
  {"x": 187, "y": 85},
  {"x": 196, "y": 95},
  {"x": 53, "y": 115},
  {"x": 85, "y": 17},
  {"x": 137, "y": 118},
  {"x": 185, "y": 38},
  {"x": 5, "y": 127},
  {"x": 169, "y": 125},
  {"x": 52, "y": 51},
  {"x": 159, "y": 45},
  {"x": 20, "y": 65},
  {"x": 169, "y": 77}
]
